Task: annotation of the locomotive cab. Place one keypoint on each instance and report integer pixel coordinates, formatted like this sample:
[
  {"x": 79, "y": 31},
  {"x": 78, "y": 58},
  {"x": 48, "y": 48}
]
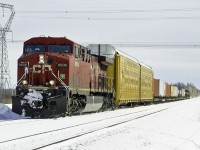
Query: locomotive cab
[{"x": 43, "y": 77}]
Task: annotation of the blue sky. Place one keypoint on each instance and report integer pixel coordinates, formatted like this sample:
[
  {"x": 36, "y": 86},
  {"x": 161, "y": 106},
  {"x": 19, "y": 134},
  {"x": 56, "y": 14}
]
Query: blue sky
[{"x": 119, "y": 22}]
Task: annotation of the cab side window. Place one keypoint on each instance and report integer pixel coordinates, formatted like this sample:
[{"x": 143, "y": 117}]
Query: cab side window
[
  {"x": 76, "y": 52},
  {"x": 82, "y": 53}
]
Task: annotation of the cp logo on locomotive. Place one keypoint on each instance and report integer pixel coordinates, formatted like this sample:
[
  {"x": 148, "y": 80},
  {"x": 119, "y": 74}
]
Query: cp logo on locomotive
[{"x": 41, "y": 68}]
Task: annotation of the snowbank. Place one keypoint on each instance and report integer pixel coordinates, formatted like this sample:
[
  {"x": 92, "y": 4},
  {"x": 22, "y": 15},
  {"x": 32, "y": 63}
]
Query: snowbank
[{"x": 7, "y": 114}]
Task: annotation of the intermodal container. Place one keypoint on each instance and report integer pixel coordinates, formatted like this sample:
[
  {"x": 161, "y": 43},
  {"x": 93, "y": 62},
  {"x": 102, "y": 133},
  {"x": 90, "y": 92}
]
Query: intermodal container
[
  {"x": 162, "y": 88},
  {"x": 183, "y": 92},
  {"x": 168, "y": 90},
  {"x": 156, "y": 87},
  {"x": 174, "y": 91}
]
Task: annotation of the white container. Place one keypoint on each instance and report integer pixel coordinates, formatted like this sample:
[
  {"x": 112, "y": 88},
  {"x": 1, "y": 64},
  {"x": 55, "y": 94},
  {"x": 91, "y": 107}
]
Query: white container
[
  {"x": 183, "y": 92},
  {"x": 162, "y": 88},
  {"x": 174, "y": 91}
]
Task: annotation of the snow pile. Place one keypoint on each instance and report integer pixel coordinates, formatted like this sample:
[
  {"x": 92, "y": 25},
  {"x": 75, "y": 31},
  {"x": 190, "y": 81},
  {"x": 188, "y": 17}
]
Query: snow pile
[
  {"x": 7, "y": 114},
  {"x": 33, "y": 95}
]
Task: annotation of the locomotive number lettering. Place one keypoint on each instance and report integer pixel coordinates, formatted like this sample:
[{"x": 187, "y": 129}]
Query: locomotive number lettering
[
  {"x": 23, "y": 64},
  {"x": 41, "y": 68},
  {"x": 62, "y": 65}
]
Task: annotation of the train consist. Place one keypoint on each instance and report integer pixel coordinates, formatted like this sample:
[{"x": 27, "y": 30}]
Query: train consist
[{"x": 58, "y": 76}]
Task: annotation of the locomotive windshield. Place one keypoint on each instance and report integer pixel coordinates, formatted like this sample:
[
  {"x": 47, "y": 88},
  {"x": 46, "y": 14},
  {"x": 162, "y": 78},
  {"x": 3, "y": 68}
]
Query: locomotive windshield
[
  {"x": 34, "y": 48},
  {"x": 65, "y": 48},
  {"x": 59, "y": 48}
]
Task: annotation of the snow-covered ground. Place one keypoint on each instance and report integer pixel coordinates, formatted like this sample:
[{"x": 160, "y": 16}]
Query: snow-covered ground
[{"x": 177, "y": 128}]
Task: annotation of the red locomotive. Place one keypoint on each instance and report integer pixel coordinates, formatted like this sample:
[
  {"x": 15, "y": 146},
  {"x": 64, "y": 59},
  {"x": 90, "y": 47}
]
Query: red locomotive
[{"x": 57, "y": 75}]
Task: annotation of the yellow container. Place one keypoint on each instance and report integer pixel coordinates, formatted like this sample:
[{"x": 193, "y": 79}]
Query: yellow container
[
  {"x": 127, "y": 80},
  {"x": 146, "y": 84}
]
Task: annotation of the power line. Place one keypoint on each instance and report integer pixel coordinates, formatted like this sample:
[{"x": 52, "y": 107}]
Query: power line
[
  {"x": 113, "y": 18},
  {"x": 105, "y": 11},
  {"x": 116, "y": 11},
  {"x": 147, "y": 44},
  {"x": 47, "y": 13},
  {"x": 137, "y": 44}
]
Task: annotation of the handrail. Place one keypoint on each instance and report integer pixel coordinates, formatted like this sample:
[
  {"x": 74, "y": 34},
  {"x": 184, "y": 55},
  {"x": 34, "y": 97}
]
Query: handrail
[
  {"x": 63, "y": 83},
  {"x": 23, "y": 76},
  {"x": 25, "y": 72}
]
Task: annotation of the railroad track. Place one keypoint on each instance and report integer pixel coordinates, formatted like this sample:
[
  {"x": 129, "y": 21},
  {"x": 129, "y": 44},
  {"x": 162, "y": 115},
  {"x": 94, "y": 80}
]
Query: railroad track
[
  {"x": 55, "y": 135},
  {"x": 98, "y": 129}
]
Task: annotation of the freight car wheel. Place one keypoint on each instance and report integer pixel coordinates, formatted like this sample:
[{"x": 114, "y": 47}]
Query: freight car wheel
[
  {"x": 113, "y": 108},
  {"x": 32, "y": 116}
]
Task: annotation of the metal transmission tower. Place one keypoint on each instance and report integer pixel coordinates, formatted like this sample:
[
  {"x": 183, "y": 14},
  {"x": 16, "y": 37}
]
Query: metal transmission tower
[{"x": 4, "y": 63}]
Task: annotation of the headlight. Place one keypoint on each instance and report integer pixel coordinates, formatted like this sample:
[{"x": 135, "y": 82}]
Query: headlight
[
  {"x": 41, "y": 59},
  {"x": 24, "y": 82},
  {"x": 52, "y": 82}
]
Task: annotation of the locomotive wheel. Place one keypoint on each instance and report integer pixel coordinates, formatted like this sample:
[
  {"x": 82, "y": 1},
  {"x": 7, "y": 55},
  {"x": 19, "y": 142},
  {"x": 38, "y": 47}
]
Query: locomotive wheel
[
  {"x": 69, "y": 113},
  {"x": 63, "y": 114}
]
